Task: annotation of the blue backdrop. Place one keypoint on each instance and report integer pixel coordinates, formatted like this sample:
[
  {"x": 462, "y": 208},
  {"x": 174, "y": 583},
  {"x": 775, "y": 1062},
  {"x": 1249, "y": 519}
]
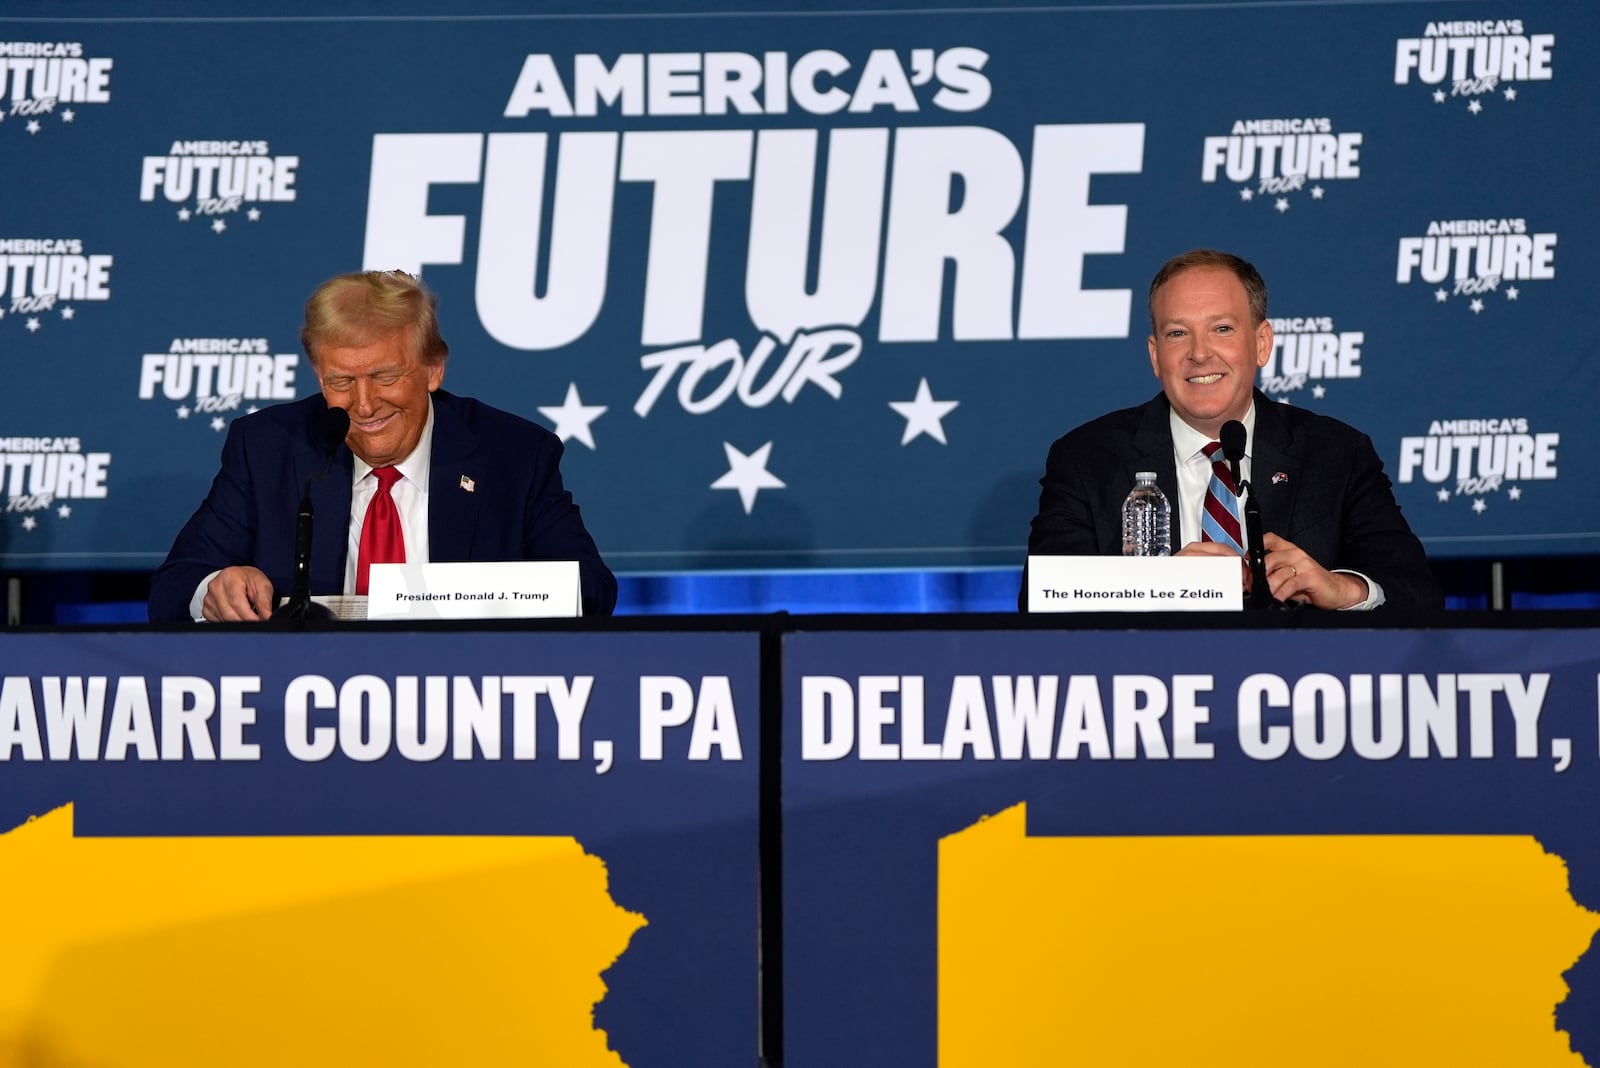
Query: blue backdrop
[{"x": 799, "y": 290}]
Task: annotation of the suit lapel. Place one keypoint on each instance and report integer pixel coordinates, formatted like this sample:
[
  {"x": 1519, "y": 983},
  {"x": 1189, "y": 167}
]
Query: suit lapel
[
  {"x": 1152, "y": 451},
  {"x": 1275, "y": 474},
  {"x": 330, "y": 536},
  {"x": 454, "y": 484},
  {"x": 330, "y": 502},
  {"x": 1152, "y": 444}
]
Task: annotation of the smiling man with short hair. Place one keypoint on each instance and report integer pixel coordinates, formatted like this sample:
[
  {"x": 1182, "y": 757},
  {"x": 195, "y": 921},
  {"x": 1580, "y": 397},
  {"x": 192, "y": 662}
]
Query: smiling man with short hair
[
  {"x": 1332, "y": 530},
  {"x": 447, "y": 477}
]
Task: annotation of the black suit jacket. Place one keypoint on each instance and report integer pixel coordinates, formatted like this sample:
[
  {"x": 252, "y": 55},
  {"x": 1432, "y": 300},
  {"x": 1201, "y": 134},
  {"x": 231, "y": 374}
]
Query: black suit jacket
[
  {"x": 1319, "y": 483},
  {"x": 517, "y": 508}
]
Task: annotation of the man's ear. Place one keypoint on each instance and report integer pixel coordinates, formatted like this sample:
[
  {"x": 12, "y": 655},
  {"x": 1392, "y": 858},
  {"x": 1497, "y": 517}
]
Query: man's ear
[{"x": 1263, "y": 343}]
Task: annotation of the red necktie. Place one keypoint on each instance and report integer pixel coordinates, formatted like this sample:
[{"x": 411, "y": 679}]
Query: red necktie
[
  {"x": 381, "y": 539},
  {"x": 1221, "y": 521}
]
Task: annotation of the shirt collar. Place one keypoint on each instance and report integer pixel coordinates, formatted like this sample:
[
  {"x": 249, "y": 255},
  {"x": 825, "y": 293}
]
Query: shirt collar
[
  {"x": 1188, "y": 443},
  {"x": 414, "y": 467}
]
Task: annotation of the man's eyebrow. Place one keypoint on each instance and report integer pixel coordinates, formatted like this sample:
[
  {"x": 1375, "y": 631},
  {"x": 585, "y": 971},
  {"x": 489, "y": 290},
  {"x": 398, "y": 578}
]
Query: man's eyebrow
[
  {"x": 394, "y": 370},
  {"x": 1204, "y": 318}
]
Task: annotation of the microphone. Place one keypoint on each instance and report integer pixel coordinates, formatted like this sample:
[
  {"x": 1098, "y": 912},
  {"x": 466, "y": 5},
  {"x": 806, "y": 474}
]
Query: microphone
[
  {"x": 299, "y": 609},
  {"x": 336, "y": 424},
  {"x": 1232, "y": 439}
]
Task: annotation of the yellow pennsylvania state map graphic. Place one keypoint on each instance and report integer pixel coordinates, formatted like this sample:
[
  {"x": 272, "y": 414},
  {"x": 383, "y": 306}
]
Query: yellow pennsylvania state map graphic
[
  {"x": 337, "y": 951},
  {"x": 1253, "y": 951}
]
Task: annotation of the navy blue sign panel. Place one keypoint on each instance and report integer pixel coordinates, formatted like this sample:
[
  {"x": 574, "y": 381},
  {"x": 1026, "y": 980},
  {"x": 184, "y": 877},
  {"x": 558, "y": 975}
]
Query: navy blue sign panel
[
  {"x": 642, "y": 747},
  {"x": 804, "y": 290},
  {"x": 894, "y": 743}
]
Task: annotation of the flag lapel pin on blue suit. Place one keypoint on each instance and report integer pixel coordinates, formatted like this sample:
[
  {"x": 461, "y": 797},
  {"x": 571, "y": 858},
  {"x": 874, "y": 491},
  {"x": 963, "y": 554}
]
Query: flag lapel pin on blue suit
[{"x": 468, "y": 484}]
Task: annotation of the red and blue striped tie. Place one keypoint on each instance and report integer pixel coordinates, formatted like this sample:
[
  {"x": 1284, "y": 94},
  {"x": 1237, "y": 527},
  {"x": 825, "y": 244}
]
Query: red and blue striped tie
[{"x": 1222, "y": 519}]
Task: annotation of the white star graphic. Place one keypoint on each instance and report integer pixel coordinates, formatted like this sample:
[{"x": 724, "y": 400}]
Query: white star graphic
[
  {"x": 1316, "y": 192},
  {"x": 218, "y": 226},
  {"x": 253, "y": 409},
  {"x": 217, "y": 423},
  {"x": 1282, "y": 205},
  {"x": 1440, "y": 296},
  {"x": 33, "y": 324},
  {"x": 184, "y": 214},
  {"x": 748, "y": 474},
  {"x": 572, "y": 417},
  {"x": 1246, "y": 195},
  {"x": 68, "y": 312},
  {"x": 1319, "y": 391},
  {"x": 1476, "y": 305},
  {"x": 68, "y": 115},
  {"x": 33, "y": 128},
  {"x": 923, "y": 415},
  {"x": 254, "y": 214},
  {"x": 1511, "y": 92},
  {"x": 1438, "y": 96},
  {"x": 1475, "y": 106},
  {"x": 183, "y": 411},
  {"x": 28, "y": 523},
  {"x": 1515, "y": 493},
  {"x": 1479, "y": 506},
  {"x": 1444, "y": 495},
  {"x": 1512, "y": 292},
  {"x": 65, "y": 511}
]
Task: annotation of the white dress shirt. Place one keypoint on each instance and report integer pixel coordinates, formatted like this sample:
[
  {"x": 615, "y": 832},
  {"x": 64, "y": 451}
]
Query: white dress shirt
[
  {"x": 410, "y": 495},
  {"x": 1194, "y": 470}
]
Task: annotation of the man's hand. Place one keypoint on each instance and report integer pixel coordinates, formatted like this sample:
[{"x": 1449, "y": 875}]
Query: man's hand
[
  {"x": 238, "y": 593},
  {"x": 1294, "y": 576}
]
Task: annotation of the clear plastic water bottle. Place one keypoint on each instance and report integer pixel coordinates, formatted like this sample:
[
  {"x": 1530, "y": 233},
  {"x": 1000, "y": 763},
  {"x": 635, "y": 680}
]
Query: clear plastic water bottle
[{"x": 1146, "y": 519}]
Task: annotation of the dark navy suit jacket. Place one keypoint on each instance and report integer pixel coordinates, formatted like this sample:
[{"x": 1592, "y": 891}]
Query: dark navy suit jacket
[
  {"x": 1319, "y": 483},
  {"x": 517, "y": 508}
]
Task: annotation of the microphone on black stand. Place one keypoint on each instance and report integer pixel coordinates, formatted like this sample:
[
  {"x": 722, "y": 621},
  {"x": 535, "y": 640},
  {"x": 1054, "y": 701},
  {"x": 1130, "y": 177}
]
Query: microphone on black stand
[
  {"x": 299, "y": 608},
  {"x": 1232, "y": 437}
]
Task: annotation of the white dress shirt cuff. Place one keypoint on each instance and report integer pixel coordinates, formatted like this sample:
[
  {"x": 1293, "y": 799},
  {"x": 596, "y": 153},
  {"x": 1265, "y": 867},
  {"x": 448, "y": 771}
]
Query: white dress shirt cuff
[
  {"x": 197, "y": 602},
  {"x": 1374, "y": 592}
]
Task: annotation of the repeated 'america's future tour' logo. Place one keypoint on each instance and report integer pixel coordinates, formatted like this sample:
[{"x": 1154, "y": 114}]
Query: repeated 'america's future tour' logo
[
  {"x": 1307, "y": 354},
  {"x": 1272, "y": 161},
  {"x": 219, "y": 180},
  {"x": 1470, "y": 459},
  {"x": 1474, "y": 63},
  {"x": 44, "y": 83},
  {"x": 44, "y": 281},
  {"x": 209, "y": 380},
  {"x": 1484, "y": 260},
  {"x": 45, "y": 476}
]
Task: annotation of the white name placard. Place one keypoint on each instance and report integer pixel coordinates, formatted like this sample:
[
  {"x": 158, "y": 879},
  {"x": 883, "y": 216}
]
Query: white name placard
[
  {"x": 1134, "y": 584},
  {"x": 515, "y": 589}
]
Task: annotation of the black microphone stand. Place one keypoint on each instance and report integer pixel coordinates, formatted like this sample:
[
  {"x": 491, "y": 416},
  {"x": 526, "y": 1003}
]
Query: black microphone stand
[
  {"x": 1260, "y": 591},
  {"x": 1232, "y": 437},
  {"x": 300, "y": 609}
]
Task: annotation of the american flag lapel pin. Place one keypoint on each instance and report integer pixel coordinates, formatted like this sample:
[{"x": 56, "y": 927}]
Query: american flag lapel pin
[
  {"x": 468, "y": 484},
  {"x": 1280, "y": 478}
]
